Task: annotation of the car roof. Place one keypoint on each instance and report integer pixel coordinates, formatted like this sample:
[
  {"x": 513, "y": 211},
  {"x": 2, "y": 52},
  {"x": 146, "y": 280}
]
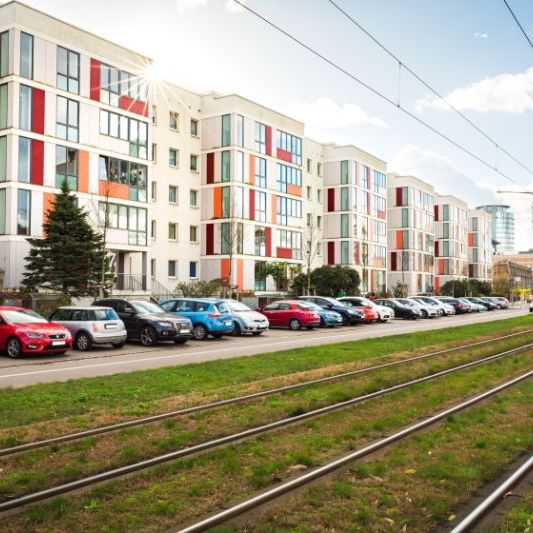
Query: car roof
[
  {"x": 13, "y": 308},
  {"x": 83, "y": 307},
  {"x": 193, "y": 299}
]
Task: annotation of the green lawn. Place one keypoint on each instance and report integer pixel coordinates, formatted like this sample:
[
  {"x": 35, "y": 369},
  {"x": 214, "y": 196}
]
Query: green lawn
[{"x": 142, "y": 390}]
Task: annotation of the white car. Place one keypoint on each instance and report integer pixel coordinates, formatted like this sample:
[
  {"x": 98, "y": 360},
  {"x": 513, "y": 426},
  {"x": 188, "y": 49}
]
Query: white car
[
  {"x": 246, "y": 320},
  {"x": 427, "y": 311},
  {"x": 444, "y": 308}
]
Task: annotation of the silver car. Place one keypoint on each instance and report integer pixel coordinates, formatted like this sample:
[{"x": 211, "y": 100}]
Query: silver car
[
  {"x": 427, "y": 311},
  {"x": 246, "y": 320},
  {"x": 91, "y": 325},
  {"x": 444, "y": 308}
]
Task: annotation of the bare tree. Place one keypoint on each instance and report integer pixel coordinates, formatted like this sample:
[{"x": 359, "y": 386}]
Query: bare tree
[
  {"x": 232, "y": 235},
  {"x": 364, "y": 256},
  {"x": 310, "y": 249}
]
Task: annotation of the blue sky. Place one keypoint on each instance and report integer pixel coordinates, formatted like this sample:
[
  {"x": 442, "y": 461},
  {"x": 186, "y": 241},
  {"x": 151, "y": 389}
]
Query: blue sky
[{"x": 470, "y": 50}]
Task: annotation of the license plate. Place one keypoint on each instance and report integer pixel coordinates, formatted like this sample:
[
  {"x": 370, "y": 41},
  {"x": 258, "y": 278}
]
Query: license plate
[
  {"x": 262, "y": 326},
  {"x": 184, "y": 330},
  {"x": 58, "y": 343},
  {"x": 228, "y": 323},
  {"x": 111, "y": 326}
]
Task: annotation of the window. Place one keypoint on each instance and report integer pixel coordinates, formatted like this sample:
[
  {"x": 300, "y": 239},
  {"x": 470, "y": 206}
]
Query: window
[
  {"x": 24, "y": 170},
  {"x": 364, "y": 176},
  {"x": 345, "y": 225},
  {"x": 260, "y": 241},
  {"x": 319, "y": 222},
  {"x": 68, "y": 70},
  {"x": 239, "y": 166},
  {"x": 309, "y": 193},
  {"x": 260, "y": 206},
  {"x": 3, "y": 158},
  {"x": 239, "y": 121},
  {"x": 173, "y": 120},
  {"x": 193, "y": 269},
  {"x": 226, "y": 130},
  {"x": 67, "y": 167},
  {"x": 405, "y": 218},
  {"x": 152, "y": 267},
  {"x": 345, "y": 252},
  {"x": 128, "y": 173},
  {"x": 172, "y": 231},
  {"x": 260, "y": 172},
  {"x": 405, "y": 239},
  {"x": 288, "y": 176},
  {"x": 445, "y": 248},
  {"x": 319, "y": 169},
  {"x": 137, "y": 136},
  {"x": 193, "y": 198},
  {"x": 446, "y": 230},
  {"x": 24, "y": 107},
  {"x": 123, "y": 217},
  {"x": 345, "y": 198},
  {"x": 292, "y": 144},
  {"x": 172, "y": 194},
  {"x": 226, "y": 165},
  {"x": 194, "y": 163},
  {"x": 67, "y": 119},
  {"x": 291, "y": 240},
  {"x": 153, "y": 191},
  {"x": 231, "y": 238},
  {"x": 154, "y": 152},
  {"x": 445, "y": 212},
  {"x": 319, "y": 196},
  {"x": 194, "y": 127},
  {"x": 2, "y": 211},
  {"x": 308, "y": 165},
  {"x": 345, "y": 178},
  {"x": 260, "y": 138},
  {"x": 23, "y": 212},
  {"x": 153, "y": 229},
  {"x": 4, "y": 54},
  {"x": 173, "y": 157},
  {"x": 260, "y": 276},
  {"x": 287, "y": 207},
  {"x": 26, "y": 55},
  {"x": 172, "y": 268},
  {"x": 3, "y": 106},
  {"x": 379, "y": 181},
  {"x": 193, "y": 233}
]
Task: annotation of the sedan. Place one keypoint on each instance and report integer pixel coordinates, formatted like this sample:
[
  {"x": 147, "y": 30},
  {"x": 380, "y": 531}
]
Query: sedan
[
  {"x": 328, "y": 319},
  {"x": 489, "y": 306},
  {"x": 427, "y": 311},
  {"x": 350, "y": 315},
  {"x": 23, "y": 331},
  {"x": 460, "y": 307},
  {"x": 444, "y": 309},
  {"x": 400, "y": 310},
  {"x": 291, "y": 314}
]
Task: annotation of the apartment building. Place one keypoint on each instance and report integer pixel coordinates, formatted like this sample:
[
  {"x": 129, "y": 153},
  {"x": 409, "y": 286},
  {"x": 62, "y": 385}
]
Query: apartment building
[
  {"x": 73, "y": 107},
  {"x": 451, "y": 240},
  {"x": 411, "y": 234},
  {"x": 355, "y": 214},
  {"x": 479, "y": 245}
]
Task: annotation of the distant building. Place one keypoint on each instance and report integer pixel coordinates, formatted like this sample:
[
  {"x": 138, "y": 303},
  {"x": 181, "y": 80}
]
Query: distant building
[
  {"x": 508, "y": 275},
  {"x": 479, "y": 245},
  {"x": 503, "y": 227}
]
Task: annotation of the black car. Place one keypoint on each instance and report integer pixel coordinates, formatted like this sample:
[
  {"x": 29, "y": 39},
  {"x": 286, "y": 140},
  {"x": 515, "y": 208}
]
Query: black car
[
  {"x": 460, "y": 307},
  {"x": 148, "y": 322},
  {"x": 400, "y": 310},
  {"x": 350, "y": 315},
  {"x": 491, "y": 306}
]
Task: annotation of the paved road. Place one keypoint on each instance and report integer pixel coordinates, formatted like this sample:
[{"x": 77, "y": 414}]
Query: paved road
[{"x": 103, "y": 362}]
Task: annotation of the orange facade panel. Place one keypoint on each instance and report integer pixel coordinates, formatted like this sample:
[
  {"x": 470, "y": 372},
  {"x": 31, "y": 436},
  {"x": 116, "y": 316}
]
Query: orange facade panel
[
  {"x": 240, "y": 273},
  {"x": 470, "y": 239},
  {"x": 48, "y": 199},
  {"x": 252, "y": 170},
  {"x": 217, "y": 202},
  {"x": 83, "y": 171},
  {"x": 294, "y": 189},
  {"x": 113, "y": 190},
  {"x": 399, "y": 239},
  {"x": 274, "y": 209},
  {"x": 224, "y": 268}
]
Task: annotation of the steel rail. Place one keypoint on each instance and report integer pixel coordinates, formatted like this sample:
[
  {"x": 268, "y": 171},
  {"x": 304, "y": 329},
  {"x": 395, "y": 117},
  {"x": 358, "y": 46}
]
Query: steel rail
[
  {"x": 491, "y": 500},
  {"x": 232, "y": 401},
  {"x": 222, "y": 441},
  {"x": 283, "y": 488}
]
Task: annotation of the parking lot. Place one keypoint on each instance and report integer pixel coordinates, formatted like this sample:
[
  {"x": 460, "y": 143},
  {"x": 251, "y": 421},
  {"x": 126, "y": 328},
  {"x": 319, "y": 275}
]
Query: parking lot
[{"x": 106, "y": 361}]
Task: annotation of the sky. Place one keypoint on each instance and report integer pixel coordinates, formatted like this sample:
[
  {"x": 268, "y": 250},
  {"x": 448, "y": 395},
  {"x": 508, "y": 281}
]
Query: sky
[{"x": 470, "y": 51}]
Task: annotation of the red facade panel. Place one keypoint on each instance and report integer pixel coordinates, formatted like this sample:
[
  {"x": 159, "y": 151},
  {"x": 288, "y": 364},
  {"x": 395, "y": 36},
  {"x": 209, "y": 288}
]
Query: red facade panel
[
  {"x": 268, "y": 242},
  {"x": 394, "y": 261},
  {"x": 210, "y": 168},
  {"x": 37, "y": 162},
  {"x": 268, "y": 140},
  {"x": 37, "y": 110},
  {"x": 284, "y": 155},
  {"x": 284, "y": 253},
  {"x": 95, "y": 80},
  {"x": 252, "y": 204},
  {"x": 331, "y": 199},
  {"x": 209, "y": 239},
  {"x": 436, "y": 248},
  {"x": 398, "y": 196},
  {"x": 436, "y": 212},
  {"x": 331, "y": 253},
  {"x": 133, "y": 106}
]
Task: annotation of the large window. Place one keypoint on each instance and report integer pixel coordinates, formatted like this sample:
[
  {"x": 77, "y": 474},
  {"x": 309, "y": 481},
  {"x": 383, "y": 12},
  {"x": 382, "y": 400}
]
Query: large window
[
  {"x": 226, "y": 130},
  {"x": 231, "y": 238},
  {"x": 68, "y": 70},
  {"x": 26, "y": 55},
  {"x": 260, "y": 276},
  {"x": 67, "y": 167},
  {"x": 446, "y": 212},
  {"x": 3, "y": 158},
  {"x": 345, "y": 225},
  {"x": 260, "y": 172},
  {"x": 114, "y": 83},
  {"x": 4, "y": 54},
  {"x": 24, "y": 167},
  {"x": 226, "y": 166},
  {"x": 23, "y": 212},
  {"x": 288, "y": 176},
  {"x": 287, "y": 207},
  {"x": 292, "y": 144},
  {"x": 127, "y": 173},
  {"x": 260, "y": 138},
  {"x": 345, "y": 252},
  {"x": 226, "y": 202},
  {"x": 345, "y": 177},
  {"x": 405, "y": 218},
  {"x": 239, "y": 121},
  {"x": 379, "y": 181},
  {"x": 260, "y": 241},
  {"x": 291, "y": 240},
  {"x": 67, "y": 119},
  {"x": 2, "y": 211},
  {"x": 260, "y": 206},
  {"x": 24, "y": 107},
  {"x": 345, "y": 198},
  {"x": 3, "y": 106},
  {"x": 365, "y": 171},
  {"x": 128, "y": 129}
]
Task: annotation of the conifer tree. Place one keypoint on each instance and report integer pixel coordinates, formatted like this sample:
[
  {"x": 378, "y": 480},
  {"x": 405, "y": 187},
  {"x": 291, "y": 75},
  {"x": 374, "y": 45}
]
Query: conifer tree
[{"x": 69, "y": 256}]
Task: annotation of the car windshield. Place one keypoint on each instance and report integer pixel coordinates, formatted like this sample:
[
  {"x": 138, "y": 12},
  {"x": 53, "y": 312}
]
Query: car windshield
[
  {"x": 147, "y": 307},
  {"x": 337, "y": 303},
  {"x": 407, "y": 302},
  {"x": 105, "y": 314},
  {"x": 23, "y": 317},
  {"x": 237, "y": 306},
  {"x": 308, "y": 306}
]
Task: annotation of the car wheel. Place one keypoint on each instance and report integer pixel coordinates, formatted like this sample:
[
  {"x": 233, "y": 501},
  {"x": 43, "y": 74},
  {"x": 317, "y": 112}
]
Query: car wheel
[
  {"x": 200, "y": 332},
  {"x": 236, "y": 329},
  {"x": 13, "y": 348},
  {"x": 119, "y": 344},
  {"x": 424, "y": 313},
  {"x": 148, "y": 336},
  {"x": 83, "y": 342},
  {"x": 294, "y": 324},
  {"x": 180, "y": 341}
]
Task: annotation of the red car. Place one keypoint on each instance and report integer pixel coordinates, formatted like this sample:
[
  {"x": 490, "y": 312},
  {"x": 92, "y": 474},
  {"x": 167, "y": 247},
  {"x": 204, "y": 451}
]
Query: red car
[
  {"x": 366, "y": 305},
  {"x": 291, "y": 314},
  {"x": 23, "y": 331}
]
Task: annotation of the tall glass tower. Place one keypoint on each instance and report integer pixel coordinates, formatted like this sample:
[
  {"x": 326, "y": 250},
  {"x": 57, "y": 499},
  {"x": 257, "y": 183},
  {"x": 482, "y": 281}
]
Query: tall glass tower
[{"x": 503, "y": 227}]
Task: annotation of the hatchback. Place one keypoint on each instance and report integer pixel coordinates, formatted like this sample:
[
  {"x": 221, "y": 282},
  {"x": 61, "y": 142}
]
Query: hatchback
[
  {"x": 364, "y": 304},
  {"x": 22, "y": 331},
  {"x": 246, "y": 320},
  {"x": 460, "y": 307},
  {"x": 291, "y": 314},
  {"x": 400, "y": 310},
  {"x": 91, "y": 325},
  {"x": 209, "y": 316},
  {"x": 427, "y": 311},
  {"x": 328, "y": 319},
  {"x": 443, "y": 308},
  {"x": 350, "y": 315}
]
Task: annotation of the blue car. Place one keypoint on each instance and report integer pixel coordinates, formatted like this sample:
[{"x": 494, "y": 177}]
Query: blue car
[
  {"x": 328, "y": 318},
  {"x": 209, "y": 316}
]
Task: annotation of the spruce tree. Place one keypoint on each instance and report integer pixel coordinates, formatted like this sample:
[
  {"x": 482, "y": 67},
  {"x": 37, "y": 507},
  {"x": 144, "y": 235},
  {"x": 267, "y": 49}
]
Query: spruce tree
[{"x": 69, "y": 256}]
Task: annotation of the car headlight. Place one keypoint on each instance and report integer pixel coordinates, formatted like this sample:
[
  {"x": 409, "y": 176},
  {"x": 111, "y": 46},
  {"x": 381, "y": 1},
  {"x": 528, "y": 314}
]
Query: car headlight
[
  {"x": 165, "y": 324},
  {"x": 34, "y": 335}
]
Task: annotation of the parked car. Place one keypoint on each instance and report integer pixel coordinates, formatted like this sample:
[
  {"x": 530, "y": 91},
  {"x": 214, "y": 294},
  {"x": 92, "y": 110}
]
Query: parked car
[
  {"x": 444, "y": 308},
  {"x": 492, "y": 300},
  {"x": 400, "y": 310},
  {"x": 246, "y": 320},
  {"x": 350, "y": 315},
  {"x": 426, "y": 311},
  {"x": 328, "y": 319},
  {"x": 458, "y": 305},
  {"x": 147, "y": 322},
  {"x": 489, "y": 306},
  {"x": 292, "y": 314},
  {"x": 91, "y": 325},
  {"x": 22, "y": 331},
  {"x": 363, "y": 304},
  {"x": 474, "y": 308},
  {"x": 530, "y": 303},
  {"x": 504, "y": 302},
  {"x": 209, "y": 316}
]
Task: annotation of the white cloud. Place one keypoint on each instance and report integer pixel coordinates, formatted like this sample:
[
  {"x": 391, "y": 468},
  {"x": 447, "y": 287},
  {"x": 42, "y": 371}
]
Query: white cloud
[
  {"x": 234, "y": 6},
  {"x": 509, "y": 93},
  {"x": 187, "y": 5},
  {"x": 324, "y": 115},
  {"x": 481, "y": 35}
]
